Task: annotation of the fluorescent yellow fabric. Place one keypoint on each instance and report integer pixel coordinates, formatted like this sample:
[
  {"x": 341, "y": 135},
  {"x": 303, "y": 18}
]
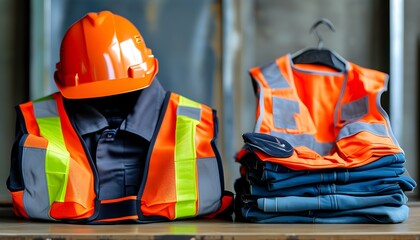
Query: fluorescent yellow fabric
[
  {"x": 185, "y": 162},
  {"x": 57, "y": 158}
]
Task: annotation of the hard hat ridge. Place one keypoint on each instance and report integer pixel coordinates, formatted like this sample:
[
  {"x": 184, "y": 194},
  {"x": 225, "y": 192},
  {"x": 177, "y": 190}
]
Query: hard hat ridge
[{"x": 97, "y": 18}]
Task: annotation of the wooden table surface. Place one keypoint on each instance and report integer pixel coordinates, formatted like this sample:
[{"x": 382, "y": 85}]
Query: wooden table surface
[{"x": 14, "y": 228}]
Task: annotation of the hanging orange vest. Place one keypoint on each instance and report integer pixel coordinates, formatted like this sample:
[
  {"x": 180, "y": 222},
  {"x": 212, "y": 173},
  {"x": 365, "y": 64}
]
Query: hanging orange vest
[
  {"x": 183, "y": 176},
  {"x": 332, "y": 119}
]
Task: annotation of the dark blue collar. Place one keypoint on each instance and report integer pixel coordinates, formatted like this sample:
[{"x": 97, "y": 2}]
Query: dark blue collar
[{"x": 141, "y": 120}]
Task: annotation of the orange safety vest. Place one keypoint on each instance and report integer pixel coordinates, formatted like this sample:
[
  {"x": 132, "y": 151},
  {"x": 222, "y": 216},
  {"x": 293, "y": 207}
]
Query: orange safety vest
[
  {"x": 183, "y": 177},
  {"x": 332, "y": 119}
]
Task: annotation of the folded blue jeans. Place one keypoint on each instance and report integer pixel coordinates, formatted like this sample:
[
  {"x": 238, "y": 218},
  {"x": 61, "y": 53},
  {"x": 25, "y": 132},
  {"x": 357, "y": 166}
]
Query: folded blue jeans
[
  {"x": 378, "y": 214},
  {"x": 333, "y": 202},
  {"x": 276, "y": 180},
  {"x": 364, "y": 188}
]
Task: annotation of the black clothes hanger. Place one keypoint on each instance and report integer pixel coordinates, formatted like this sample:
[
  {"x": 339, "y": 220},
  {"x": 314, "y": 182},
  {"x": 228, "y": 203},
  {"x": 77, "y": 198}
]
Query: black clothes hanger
[{"x": 321, "y": 55}]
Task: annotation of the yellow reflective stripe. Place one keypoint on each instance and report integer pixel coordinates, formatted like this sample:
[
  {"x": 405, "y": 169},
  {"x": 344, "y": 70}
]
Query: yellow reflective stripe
[
  {"x": 188, "y": 102},
  {"x": 57, "y": 159},
  {"x": 185, "y": 162}
]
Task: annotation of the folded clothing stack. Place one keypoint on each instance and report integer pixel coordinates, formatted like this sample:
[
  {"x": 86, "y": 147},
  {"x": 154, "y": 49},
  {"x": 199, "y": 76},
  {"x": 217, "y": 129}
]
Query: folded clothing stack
[{"x": 268, "y": 192}]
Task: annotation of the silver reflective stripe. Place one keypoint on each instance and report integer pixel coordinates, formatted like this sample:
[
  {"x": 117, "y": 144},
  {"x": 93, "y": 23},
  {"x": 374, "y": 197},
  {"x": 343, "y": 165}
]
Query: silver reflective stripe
[
  {"x": 283, "y": 113},
  {"x": 306, "y": 140},
  {"x": 45, "y": 108},
  {"x": 273, "y": 76},
  {"x": 192, "y": 112},
  {"x": 354, "y": 110},
  {"x": 340, "y": 98},
  {"x": 354, "y": 128},
  {"x": 35, "y": 195},
  {"x": 384, "y": 113},
  {"x": 209, "y": 188}
]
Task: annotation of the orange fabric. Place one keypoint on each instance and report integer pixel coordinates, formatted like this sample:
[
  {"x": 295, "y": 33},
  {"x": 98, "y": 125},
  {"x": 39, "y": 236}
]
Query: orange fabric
[
  {"x": 35, "y": 141},
  {"x": 304, "y": 158},
  {"x": 80, "y": 185},
  {"x": 79, "y": 199},
  {"x": 29, "y": 117},
  {"x": 317, "y": 95},
  {"x": 205, "y": 129},
  {"x": 267, "y": 120},
  {"x": 240, "y": 155},
  {"x": 18, "y": 206},
  {"x": 159, "y": 195},
  {"x": 70, "y": 210},
  {"x": 118, "y": 199}
]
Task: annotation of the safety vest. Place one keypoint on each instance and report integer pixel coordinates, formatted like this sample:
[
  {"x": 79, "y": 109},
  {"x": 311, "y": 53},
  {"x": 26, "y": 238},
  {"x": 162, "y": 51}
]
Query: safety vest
[
  {"x": 332, "y": 119},
  {"x": 183, "y": 175}
]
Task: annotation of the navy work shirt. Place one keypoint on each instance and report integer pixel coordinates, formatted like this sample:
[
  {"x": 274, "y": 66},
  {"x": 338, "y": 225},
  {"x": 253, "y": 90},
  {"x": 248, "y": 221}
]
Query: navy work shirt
[{"x": 117, "y": 131}]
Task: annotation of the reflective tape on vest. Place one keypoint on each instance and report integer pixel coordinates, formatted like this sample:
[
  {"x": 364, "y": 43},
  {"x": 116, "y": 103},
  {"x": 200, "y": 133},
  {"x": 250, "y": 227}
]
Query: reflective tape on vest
[
  {"x": 190, "y": 184},
  {"x": 45, "y": 170},
  {"x": 320, "y": 112},
  {"x": 56, "y": 172},
  {"x": 57, "y": 159},
  {"x": 188, "y": 117}
]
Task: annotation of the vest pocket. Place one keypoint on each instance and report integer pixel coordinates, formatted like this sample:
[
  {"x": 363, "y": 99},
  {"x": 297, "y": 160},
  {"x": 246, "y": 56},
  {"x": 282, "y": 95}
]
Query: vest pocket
[
  {"x": 290, "y": 116},
  {"x": 361, "y": 141},
  {"x": 284, "y": 112},
  {"x": 306, "y": 153}
]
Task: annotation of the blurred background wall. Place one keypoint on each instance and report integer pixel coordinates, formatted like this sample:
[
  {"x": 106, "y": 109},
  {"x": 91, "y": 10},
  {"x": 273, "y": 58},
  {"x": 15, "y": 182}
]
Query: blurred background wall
[
  {"x": 14, "y": 70},
  {"x": 205, "y": 49}
]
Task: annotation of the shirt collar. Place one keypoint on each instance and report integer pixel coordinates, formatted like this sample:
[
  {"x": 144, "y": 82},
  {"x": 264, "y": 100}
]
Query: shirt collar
[{"x": 141, "y": 121}]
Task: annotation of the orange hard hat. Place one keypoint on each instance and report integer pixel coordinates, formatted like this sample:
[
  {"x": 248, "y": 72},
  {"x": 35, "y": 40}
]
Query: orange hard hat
[{"x": 103, "y": 54}]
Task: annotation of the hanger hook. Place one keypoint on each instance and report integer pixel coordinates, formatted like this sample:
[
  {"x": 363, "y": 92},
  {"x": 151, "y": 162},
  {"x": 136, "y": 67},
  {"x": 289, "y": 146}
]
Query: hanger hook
[{"x": 314, "y": 27}]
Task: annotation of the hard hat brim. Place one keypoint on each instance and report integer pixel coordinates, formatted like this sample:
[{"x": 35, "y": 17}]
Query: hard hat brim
[{"x": 107, "y": 88}]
